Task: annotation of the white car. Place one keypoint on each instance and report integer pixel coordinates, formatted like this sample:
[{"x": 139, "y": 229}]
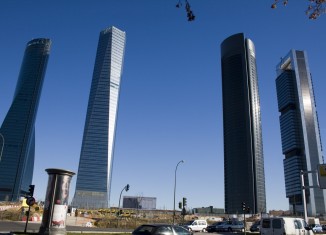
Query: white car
[{"x": 197, "y": 226}]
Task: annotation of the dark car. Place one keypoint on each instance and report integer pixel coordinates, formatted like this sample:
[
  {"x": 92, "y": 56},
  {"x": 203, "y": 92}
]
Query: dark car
[
  {"x": 324, "y": 227},
  {"x": 213, "y": 227},
  {"x": 255, "y": 227},
  {"x": 162, "y": 229}
]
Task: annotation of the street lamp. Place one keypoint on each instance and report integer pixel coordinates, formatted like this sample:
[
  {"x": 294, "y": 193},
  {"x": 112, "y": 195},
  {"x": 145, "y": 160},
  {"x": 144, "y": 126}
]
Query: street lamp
[
  {"x": 175, "y": 185},
  {"x": 3, "y": 144}
]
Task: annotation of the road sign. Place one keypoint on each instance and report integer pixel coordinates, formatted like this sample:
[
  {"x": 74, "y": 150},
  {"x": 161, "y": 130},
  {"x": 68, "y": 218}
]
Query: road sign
[
  {"x": 30, "y": 201},
  {"x": 24, "y": 204},
  {"x": 322, "y": 176}
]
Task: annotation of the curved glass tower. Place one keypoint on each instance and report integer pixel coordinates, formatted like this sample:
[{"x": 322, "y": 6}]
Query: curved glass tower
[
  {"x": 244, "y": 177},
  {"x": 301, "y": 144},
  {"x": 18, "y": 127},
  {"x": 96, "y": 157}
]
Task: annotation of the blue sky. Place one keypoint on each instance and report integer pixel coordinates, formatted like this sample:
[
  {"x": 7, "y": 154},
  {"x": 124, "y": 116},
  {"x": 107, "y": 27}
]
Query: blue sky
[{"x": 170, "y": 99}]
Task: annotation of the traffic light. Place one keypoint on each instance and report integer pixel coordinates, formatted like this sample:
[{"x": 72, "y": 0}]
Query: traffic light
[
  {"x": 31, "y": 190},
  {"x": 180, "y": 205},
  {"x": 248, "y": 209},
  {"x": 244, "y": 206},
  {"x": 184, "y": 200},
  {"x": 127, "y": 187}
]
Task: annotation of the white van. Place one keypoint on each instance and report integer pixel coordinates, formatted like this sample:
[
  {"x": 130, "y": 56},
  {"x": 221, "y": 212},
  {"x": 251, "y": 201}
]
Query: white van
[
  {"x": 284, "y": 226},
  {"x": 197, "y": 226}
]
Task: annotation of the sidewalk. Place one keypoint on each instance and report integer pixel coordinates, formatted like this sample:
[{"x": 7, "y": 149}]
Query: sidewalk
[{"x": 77, "y": 221}]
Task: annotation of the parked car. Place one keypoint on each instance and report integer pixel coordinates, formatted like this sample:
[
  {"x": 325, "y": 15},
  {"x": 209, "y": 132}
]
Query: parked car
[
  {"x": 220, "y": 227},
  {"x": 196, "y": 226},
  {"x": 159, "y": 229},
  {"x": 231, "y": 226},
  {"x": 316, "y": 228},
  {"x": 255, "y": 226},
  {"x": 213, "y": 227},
  {"x": 324, "y": 227}
]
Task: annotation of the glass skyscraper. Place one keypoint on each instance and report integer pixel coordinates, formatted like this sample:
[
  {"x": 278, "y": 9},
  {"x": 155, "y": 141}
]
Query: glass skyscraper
[
  {"x": 244, "y": 177},
  {"x": 96, "y": 157},
  {"x": 18, "y": 127},
  {"x": 301, "y": 144}
]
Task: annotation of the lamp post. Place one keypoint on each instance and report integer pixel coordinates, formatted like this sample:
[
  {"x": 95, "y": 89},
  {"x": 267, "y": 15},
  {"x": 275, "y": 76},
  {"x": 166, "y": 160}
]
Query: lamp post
[
  {"x": 3, "y": 144},
  {"x": 175, "y": 185}
]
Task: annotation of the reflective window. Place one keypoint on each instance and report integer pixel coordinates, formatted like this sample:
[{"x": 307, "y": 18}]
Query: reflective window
[{"x": 277, "y": 223}]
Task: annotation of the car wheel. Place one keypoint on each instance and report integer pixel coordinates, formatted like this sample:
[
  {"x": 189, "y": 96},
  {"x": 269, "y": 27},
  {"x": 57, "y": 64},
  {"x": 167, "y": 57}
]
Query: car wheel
[{"x": 203, "y": 230}]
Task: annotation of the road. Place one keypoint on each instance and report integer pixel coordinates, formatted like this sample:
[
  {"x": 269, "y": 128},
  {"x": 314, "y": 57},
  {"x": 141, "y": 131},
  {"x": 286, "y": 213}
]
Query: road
[{"x": 33, "y": 227}]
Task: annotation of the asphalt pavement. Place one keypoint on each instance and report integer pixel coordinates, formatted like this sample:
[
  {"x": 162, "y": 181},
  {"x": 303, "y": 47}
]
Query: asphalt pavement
[{"x": 73, "y": 224}]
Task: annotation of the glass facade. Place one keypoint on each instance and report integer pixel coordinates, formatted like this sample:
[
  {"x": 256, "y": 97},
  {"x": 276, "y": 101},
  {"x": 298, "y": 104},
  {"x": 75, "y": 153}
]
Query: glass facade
[
  {"x": 244, "y": 177},
  {"x": 96, "y": 158},
  {"x": 301, "y": 144},
  {"x": 18, "y": 127}
]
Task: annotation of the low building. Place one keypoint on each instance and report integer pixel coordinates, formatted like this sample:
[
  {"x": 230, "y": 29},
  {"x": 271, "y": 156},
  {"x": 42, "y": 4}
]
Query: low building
[
  {"x": 208, "y": 210},
  {"x": 137, "y": 202}
]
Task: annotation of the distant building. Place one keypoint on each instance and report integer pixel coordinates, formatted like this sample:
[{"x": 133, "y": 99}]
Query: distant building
[
  {"x": 244, "y": 177},
  {"x": 301, "y": 144},
  {"x": 208, "y": 210},
  {"x": 18, "y": 127},
  {"x": 143, "y": 203},
  {"x": 96, "y": 157}
]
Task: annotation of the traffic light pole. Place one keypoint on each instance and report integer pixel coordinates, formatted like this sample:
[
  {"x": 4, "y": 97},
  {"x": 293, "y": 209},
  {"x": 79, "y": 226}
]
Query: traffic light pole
[
  {"x": 124, "y": 188},
  {"x": 30, "y": 201},
  {"x": 27, "y": 218},
  {"x": 244, "y": 222},
  {"x": 244, "y": 208}
]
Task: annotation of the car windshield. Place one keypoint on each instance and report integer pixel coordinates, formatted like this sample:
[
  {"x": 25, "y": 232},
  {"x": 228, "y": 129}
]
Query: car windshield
[
  {"x": 181, "y": 231},
  {"x": 217, "y": 223}
]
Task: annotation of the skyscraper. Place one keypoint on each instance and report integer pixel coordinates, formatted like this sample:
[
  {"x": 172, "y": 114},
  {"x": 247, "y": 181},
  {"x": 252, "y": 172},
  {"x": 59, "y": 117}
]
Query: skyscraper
[
  {"x": 18, "y": 127},
  {"x": 244, "y": 177},
  {"x": 301, "y": 144},
  {"x": 96, "y": 157}
]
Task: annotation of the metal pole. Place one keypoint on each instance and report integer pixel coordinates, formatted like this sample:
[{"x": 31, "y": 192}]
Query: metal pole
[
  {"x": 244, "y": 222},
  {"x": 120, "y": 200},
  {"x": 175, "y": 185},
  {"x": 27, "y": 218},
  {"x": 124, "y": 188},
  {"x": 304, "y": 197}
]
